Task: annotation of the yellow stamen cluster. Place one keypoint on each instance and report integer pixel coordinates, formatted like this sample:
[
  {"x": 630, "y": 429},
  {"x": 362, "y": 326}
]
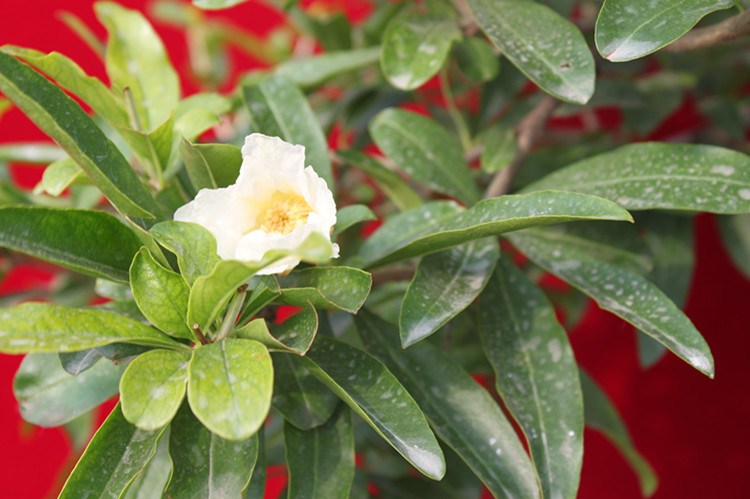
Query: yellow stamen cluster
[{"x": 285, "y": 214}]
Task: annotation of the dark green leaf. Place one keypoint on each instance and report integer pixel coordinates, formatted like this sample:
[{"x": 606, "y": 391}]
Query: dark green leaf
[
  {"x": 462, "y": 413},
  {"x": 735, "y": 231},
  {"x": 321, "y": 460},
  {"x": 196, "y": 167},
  {"x": 193, "y": 244},
  {"x": 352, "y": 215},
  {"x": 476, "y": 59},
  {"x": 74, "y": 363},
  {"x": 49, "y": 396},
  {"x": 256, "y": 489},
  {"x": 376, "y": 395},
  {"x": 294, "y": 335},
  {"x": 335, "y": 288},
  {"x": 222, "y": 160},
  {"x": 153, "y": 480},
  {"x": 425, "y": 151},
  {"x": 300, "y": 398},
  {"x": 536, "y": 374},
  {"x": 445, "y": 283},
  {"x": 545, "y": 46},
  {"x": 315, "y": 70}
]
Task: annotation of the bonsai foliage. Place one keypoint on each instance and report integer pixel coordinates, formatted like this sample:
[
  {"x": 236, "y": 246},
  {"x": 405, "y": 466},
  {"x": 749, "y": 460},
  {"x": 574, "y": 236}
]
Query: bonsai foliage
[{"x": 224, "y": 209}]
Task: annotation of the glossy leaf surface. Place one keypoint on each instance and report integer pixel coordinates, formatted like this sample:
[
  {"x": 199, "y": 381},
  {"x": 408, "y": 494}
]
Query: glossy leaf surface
[
  {"x": 317, "y": 69},
  {"x": 193, "y": 244},
  {"x": 303, "y": 400},
  {"x": 294, "y": 335},
  {"x": 338, "y": 288},
  {"x": 352, "y": 215}
]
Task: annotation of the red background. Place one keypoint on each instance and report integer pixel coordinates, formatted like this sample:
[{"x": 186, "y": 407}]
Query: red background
[{"x": 694, "y": 431}]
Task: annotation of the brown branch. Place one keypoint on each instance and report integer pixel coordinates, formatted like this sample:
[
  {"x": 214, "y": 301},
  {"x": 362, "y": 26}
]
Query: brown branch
[
  {"x": 528, "y": 132},
  {"x": 723, "y": 32}
]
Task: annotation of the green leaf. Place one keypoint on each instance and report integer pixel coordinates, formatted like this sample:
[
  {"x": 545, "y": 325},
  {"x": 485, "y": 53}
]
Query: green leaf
[
  {"x": 193, "y": 244},
  {"x": 277, "y": 107},
  {"x": 40, "y": 153},
  {"x": 735, "y": 232},
  {"x": 294, "y": 335},
  {"x": 415, "y": 47},
  {"x": 223, "y": 160},
  {"x": 444, "y": 284},
  {"x": 300, "y": 398},
  {"x": 155, "y": 147},
  {"x": 153, "y": 386},
  {"x": 601, "y": 415},
  {"x": 136, "y": 59},
  {"x": 216, "y": 4},
  {"x": 162, "y": 295},
  {"x": 90, "y": 242},
  {"x": 256, "y": 489},
  {"x": 60, "y": 175},
  {"x": 425, "y": 151},
  {"x": 334, "y": 288},
  {"x": 115, "y": 456},
  {"x": 652, "y": 175},
  {"x": 321, "y": 460},
  {"x": 206, "y": 465},
  {"x": 63, "y": 120},
  {"x": 393, "y": 186},
  {"x": 623, "y": 293},
  {"x": 440, "y": 225},
  {"x": 499, "y": 149},
  {"x": 536, "y": 374},
  {"x": 362, "y": 381},
  {"x": 74, "y": 363},
  {"x": 545, "y": 46},
  {"x": 43, "y": 327},
  {"x": 72, "y": 78},
  {"x": 462, "y": 413},
  {"x": 230, "y": 385},
  {"x": 49, "y": 396},
  {"x": 629, "y": 29},
  {"x": 315, "y": 70},
  {"x": 476, "y": 59},
  {"x": 351, "y": 215},
  {"x": 152, "y": 481}
]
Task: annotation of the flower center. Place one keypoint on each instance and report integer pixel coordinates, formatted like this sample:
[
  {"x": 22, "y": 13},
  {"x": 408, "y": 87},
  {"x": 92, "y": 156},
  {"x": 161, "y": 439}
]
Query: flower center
[{"x": 284, "y": 214}]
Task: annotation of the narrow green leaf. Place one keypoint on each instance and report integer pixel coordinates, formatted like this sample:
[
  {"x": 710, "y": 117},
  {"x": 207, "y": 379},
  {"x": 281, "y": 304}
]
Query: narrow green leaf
[
  {"x": 256, "y": 489},
  {"x": 230, "y": 385},
  {"x": 136, "y": 59},
  {"x": 206, "y": 465},
  {"x": 376, "y": 395},
  {"x": 154, "y": 146},
  {"x": 601, "y": 415},
  {"x": 223, "y": 161},
  {"x": 43, "y": 327},
  {"x": 735, "y": 232},
  {"x": 153, "y": 386},
  {"x": 321, "y": 460},
  {"x": 462, "y": 413},
  {"x": 301, "y": 399},
  {"x": 629, "y": 29},
  {"x": 216, "y": 4},
  {"x": 41, "y": 153},
  {"x": 444, "y": 284},
  {"x": 153, "y": 480},
  {"x": 499, "y": 149},
  {"x": 115, "y": 456},
  {"x": 652, "y": 175},
  {"x": 334, "y": 288},
  {"x": 91, "y": 242},
  {"x": 63, "y": 120},
  {"x": 162, "y": 295},
  {"x": 315, "y": 70},
  {"x": 623, "y": 293},
  {"x": 193, "y": 244},
  {"x": 415, "y": 47},
  {"x": 431, "y": 228},
  {"x": 351, "y": 215},
  {"x": 536, "y": 374},
  {"x": 278, "y": 107},
  {"x": 74, "y": 363},
  {"x": 425, "y": 151},
  {"x": 60, "y": 175},
  {"x": 49, "y": 396},
  {"x": 545, "y": 46}
]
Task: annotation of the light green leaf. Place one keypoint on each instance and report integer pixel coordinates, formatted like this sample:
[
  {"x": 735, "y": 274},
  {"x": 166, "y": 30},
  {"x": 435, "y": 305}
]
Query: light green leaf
[
  {"x": 601, "y": 415},
  {"x": 136, "y": 59},
  {"x": 536, "y": 374},
  {"x": 334, "y": 288},
  {"x": 361, "y": 381},
  {"x": 162, "y": 295},
  {"x": 300, "y": 398},
  {"x": 193, "y": 244},
  {"x": 49, "y": 396},
  {"x": 415, "y": 47},
  {"x": 425, "y": 151},
  {"x": 154, "y": 146},
  {"x": 499, "y": 149},
  {"x": 229, "y": 387},
  {"x": 43, "y": 327},
  {"x": 40, "y": 153},
  {"x": 629, "y": 29},
  {"x": 440, "y": 225},
  {"x": 223, "y": 161},
  {"x": 315, "y": 70},
  {"x": 623, "y": 293},
  {"x": 152, "y": 481},
  {"x": 321, "y": 460},
  {"x": 216, "y": 4},
  {"x": 476, "y": 59},
  {"x": 278, "y": 107},
  {"x": 652, "y": 175},
  {"x": 444, "y": 284},
  {"x": 462, "y": 413},
  {"x": 198, "y": 169},
  {"x": 90, "y": 242},
  {"x": 545, "y": 46},
  {"x": 60, "y": 175},
  {"x": 294, "y": 335},
  {"x": 115, "y": 456},
  {"x": 351, "y": 215},
  {"x": 63, "y": 120},
  {"x": 216, "y": 103},
  {"x": 153, "y": 386}
]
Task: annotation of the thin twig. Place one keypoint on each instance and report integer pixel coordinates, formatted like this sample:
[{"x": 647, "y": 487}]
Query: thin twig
[
  {"x": 723, "y": 32},
  {"x": 528, "y": 132}
]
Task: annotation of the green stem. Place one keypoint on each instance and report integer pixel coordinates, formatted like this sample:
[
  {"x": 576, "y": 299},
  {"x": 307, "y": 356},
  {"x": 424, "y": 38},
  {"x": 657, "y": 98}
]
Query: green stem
[
  {"x": 453, "y": 111},
  {"x": 233, "y": 310}
]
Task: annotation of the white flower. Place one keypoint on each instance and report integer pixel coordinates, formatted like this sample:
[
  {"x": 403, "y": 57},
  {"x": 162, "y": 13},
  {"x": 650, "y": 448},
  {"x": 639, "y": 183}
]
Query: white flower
[{"x": 275, "y": 204}]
